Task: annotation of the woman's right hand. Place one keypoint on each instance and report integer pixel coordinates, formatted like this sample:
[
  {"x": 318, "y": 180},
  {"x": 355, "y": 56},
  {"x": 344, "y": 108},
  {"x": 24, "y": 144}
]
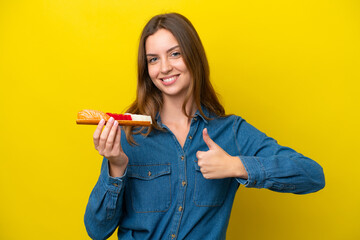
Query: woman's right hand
[{"x": 107, "y": 143}]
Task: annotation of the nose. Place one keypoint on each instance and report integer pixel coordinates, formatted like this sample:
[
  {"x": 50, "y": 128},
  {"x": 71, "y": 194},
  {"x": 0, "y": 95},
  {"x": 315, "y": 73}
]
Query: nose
[{"x": 166, "y": 66}]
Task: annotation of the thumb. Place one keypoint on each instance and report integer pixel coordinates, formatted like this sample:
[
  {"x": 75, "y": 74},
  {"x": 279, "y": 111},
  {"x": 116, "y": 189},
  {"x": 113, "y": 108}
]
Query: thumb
[{"x": 209, "y": 142}]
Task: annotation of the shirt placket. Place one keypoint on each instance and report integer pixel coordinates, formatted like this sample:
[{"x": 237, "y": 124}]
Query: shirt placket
[{"x": 180, "y": 203}]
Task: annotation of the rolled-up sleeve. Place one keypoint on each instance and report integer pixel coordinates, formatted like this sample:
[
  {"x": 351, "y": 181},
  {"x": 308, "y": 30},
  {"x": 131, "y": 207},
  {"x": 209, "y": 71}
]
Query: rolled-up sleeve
[{"x": 272, "y": 166}]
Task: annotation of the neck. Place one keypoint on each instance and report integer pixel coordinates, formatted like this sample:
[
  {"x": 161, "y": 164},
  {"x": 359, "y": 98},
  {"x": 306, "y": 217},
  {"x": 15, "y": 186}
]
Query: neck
[{"x": 172, "y": 112}]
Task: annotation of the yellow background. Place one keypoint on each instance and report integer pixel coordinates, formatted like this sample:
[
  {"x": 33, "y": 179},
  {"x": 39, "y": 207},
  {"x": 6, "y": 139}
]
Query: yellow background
[{"x": 290, "y": 68}]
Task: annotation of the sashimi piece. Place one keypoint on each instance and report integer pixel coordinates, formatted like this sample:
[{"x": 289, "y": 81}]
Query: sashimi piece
[
  {"x": 120, "y": 116},
  {"x": 92, "y": 114}
]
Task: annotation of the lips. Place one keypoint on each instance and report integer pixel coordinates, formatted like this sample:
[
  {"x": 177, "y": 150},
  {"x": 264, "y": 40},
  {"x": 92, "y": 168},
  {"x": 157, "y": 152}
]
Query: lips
[{"x": 169, "y": 80}]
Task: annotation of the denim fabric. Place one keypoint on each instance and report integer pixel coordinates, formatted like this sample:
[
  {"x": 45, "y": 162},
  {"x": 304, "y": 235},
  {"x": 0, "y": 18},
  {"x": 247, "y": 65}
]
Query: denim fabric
[{"x": 163, "y": 194}]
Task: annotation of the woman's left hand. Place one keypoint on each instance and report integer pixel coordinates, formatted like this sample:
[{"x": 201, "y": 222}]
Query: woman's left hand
[{"x": 216, "y": 163}]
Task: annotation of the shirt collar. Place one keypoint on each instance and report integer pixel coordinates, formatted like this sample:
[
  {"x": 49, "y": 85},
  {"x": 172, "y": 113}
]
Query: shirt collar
[
  {"x": 158, "y": 119},
  {"x": 197, "y": 114},
  {"x": 206, "y": 113}
]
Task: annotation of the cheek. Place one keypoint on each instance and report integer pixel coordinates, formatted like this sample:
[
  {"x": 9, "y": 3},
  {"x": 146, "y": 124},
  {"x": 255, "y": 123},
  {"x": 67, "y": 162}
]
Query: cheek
[
  {"x": 153, "y": 71},
  {"x": 180, "y": 65}
]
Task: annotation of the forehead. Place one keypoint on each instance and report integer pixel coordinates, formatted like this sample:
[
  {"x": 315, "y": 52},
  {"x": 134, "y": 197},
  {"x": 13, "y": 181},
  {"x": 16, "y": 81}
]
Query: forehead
[{"x": 162, "y": 40}]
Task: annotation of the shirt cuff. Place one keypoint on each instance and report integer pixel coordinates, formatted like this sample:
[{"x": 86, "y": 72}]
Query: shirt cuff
[
  {"x": 113, "y": 184},
  {"x": 255, "y": 170}
]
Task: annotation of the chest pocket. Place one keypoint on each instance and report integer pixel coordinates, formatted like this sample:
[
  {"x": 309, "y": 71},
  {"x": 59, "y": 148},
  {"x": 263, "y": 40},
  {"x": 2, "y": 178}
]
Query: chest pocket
[
  {"x": 150, "y": 187},
  {"x": 209, "y": 192}
]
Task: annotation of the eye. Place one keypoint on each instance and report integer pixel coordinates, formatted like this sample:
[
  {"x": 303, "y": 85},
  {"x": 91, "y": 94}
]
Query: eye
[
  {"x": 152, "y": 60},
  {"x": 175, "y": 54}
]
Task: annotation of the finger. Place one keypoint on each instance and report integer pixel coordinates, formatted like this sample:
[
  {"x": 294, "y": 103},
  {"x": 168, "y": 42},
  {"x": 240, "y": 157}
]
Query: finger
[
  {"x": 111, "y": 137},
  {"x": 97, "y": 133},
  {"x": 203, "y": 170},
  {"x": 118, "y": 138},
  {"x": 209, "y": 142},
  {"x": 105, "y": 133},
  {"x": 200, "y": 163},
  {"x": 199, "y": 154}
]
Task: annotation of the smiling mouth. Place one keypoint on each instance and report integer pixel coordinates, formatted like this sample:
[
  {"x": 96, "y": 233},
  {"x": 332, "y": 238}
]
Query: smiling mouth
[{"x": 170, "y": 79}]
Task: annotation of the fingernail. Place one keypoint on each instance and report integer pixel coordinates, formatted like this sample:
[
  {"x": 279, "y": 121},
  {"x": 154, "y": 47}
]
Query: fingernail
[
  {"x": 115, "y": 122},
  {"x": 102, "y": 121}
]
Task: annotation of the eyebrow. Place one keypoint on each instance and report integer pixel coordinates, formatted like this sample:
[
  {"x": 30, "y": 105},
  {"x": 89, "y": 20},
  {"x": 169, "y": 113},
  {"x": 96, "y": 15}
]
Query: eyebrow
[{"x": 169, "y": 50}]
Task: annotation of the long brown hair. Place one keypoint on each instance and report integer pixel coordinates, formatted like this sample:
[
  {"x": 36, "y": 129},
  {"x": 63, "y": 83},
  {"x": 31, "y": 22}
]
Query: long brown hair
[{"x": 149, "y": 98}]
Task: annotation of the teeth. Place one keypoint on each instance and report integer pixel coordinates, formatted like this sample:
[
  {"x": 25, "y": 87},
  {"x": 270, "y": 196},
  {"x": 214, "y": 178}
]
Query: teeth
[{"x": 169, "y": 79}]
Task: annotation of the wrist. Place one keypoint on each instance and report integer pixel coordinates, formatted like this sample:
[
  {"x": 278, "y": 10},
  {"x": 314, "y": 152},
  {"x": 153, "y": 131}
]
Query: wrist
[
  {"x": 239, "y": 170},
  {"x": 116, "y": 171}
]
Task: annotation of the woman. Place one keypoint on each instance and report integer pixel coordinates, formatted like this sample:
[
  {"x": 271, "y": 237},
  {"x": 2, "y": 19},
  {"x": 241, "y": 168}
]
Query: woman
[{"x": 178, "y": 178}]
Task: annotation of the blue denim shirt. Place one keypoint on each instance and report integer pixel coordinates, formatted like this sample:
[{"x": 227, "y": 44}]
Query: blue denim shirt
[{"x": 163, "y": 194}]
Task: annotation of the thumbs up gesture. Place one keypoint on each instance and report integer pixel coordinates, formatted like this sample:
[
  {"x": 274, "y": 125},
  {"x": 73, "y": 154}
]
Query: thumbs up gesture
[{"x": 216, "y": 163}]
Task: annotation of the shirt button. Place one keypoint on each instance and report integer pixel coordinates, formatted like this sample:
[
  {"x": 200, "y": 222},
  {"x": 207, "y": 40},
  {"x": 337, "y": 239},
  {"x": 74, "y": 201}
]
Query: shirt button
[
  {"x": 180, "y": 208},
  {"x": 255, "y": 182},
  {"x": 182, "y": 157},
  {"x": 195, "y": 118},
  {"x": 183, "y": 183},
  {"x": 173, "y": 236},
  {"x": 190, "y": 137},
  {"x": 149, "y": 173},
  {"x": 115, "y": 184}
]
